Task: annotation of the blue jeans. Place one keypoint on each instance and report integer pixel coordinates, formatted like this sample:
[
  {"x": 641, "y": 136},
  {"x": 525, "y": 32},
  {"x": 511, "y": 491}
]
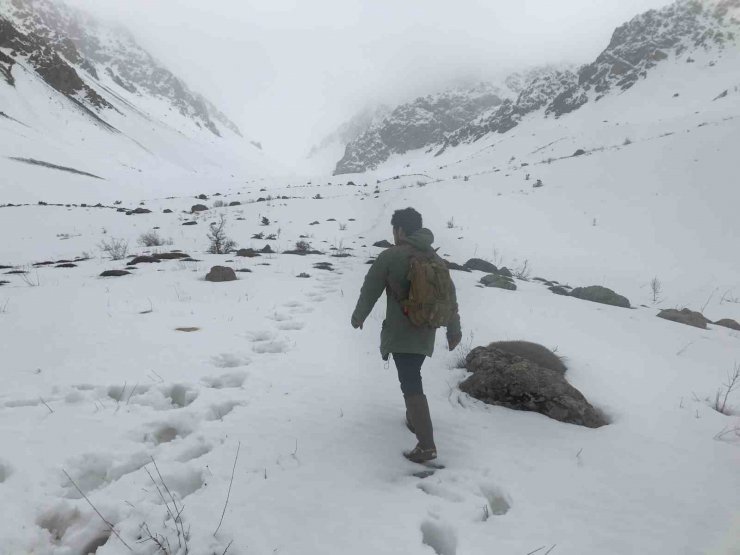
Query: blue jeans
[{"x": 409, "y": 372}]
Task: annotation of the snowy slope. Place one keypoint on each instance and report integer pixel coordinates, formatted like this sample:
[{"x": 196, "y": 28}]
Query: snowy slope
[
  {"x": 638, "y": 48},
  {"x": 99, "y": 383},
  {"x": 275, "y": 369},
  {"x": 79, "y": 95}
]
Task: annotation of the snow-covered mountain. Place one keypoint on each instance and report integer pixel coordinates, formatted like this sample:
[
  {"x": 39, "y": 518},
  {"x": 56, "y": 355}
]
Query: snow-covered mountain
[
  {"x": 75, "y": 93},
  {"x": 636, "y": 49},
  {"x": 417, "y": 124}
]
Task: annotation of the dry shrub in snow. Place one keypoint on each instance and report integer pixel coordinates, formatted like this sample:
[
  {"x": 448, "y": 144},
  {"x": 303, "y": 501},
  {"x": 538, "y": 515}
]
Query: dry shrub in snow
[
  {"x": 219, "y": 242},
  {"x": 152, "y": 239},
  {"x": 723, "y": 393},
  {"x": 117, "y": 249}
]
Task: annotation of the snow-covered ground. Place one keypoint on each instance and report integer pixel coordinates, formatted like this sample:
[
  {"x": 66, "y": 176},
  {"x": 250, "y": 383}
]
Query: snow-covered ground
[
  {"x": 275, "y": 368},
  {"x": 99, "y": 383}
]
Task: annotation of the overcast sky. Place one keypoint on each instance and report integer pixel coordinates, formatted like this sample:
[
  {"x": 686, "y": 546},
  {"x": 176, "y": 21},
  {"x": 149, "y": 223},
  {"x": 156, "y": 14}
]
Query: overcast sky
[{"x": 289, "y": 71}]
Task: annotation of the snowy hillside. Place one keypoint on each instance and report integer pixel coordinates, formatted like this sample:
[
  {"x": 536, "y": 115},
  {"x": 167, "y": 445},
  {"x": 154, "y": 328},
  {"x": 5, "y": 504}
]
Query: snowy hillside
[
  {"x": 151, "y": 411},
  {"x": 76, "y": 94},
  {"x": 636, "y": 50}
]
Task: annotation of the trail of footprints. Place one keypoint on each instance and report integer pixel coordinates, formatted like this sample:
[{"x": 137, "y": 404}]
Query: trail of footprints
[
  {"x": 477, "y": 502},
  {"x": 173, "y": 439}
]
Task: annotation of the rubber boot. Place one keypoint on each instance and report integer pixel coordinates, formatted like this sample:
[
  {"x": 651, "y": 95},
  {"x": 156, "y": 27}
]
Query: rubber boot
[{"x": 425, "y": 450}]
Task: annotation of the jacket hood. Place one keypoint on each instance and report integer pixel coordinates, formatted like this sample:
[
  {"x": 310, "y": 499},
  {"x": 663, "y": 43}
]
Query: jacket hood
[{"x": 421, "y": 239}]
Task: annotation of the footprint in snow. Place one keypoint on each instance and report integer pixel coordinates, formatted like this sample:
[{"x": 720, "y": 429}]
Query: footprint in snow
[
  {"x": 439, "y": 536},
  {"x": 229, "y": 360},
  {"x": 219, "y": 410},
  {"x": 498, "y": 500},
  {"x": 291, "y": 326},
  {"x": 438, "y": 490},
  {"x": 278, "y": 346},
  {"x": 93, "y": 471},
  {"x": 228, "y": 380}
]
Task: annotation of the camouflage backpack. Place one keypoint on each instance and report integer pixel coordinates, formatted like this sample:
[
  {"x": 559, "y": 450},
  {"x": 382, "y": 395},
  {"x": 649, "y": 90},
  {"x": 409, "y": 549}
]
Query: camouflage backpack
[{"x": 430, "y": 301}]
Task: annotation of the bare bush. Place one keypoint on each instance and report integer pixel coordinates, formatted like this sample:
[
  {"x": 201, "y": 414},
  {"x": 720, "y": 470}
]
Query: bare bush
[
  {"x": 656, "y": 288},
  {"x": 451, "y": 223},
  {"x": 303, "y": 246},
  {"x": 218, "y": 204},
  {"x": 30, "y": 276},
  {"x": 117, "y": 249},
  {"x": 265, "y": 220},
  {"x": 219, "y": 241},
  {"x": 342, "y": 227},
  {"x": 627, "y": 141},
  {"x": 152, "y": 239},
  {"x": 723, "y": 393},
  {"x": 523, "y": 271}
]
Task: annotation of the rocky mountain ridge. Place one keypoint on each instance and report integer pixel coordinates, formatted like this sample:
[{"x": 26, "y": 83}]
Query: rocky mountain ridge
[
  {"x": 417, "y": 124},
  {"x": 635, "y": 48},
  {"x": 87, "y": 62}
]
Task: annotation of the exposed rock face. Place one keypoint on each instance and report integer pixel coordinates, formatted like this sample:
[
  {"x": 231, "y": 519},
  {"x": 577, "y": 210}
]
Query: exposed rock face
[
  {"x": 383, "y": 244},
  {"x": 728, "y": 323},
  {"x": 198, "y": 208},
  {"x": 498, "y": 281},
  {"x": 249, "y": 253},
  {"x": 78, "y": 58},
  {"x": 481, "y": 265},
  {"x": 508, "y": 380},
  {"x": 221, "y": 273},
  {"x": 685, "y": 316},
  {"x": 417, "y": 124},
  {"x": 599, "y": 294},
  {"x": 114, "y": 273}
]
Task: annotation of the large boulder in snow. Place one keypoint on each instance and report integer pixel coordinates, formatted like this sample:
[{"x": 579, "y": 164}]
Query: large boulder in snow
[
  {"x": 728, "y": 323},
  {"x": 599, "y": 294},
  {"x": 249, "y": 253},
  {"x": 382, "y": 244},
  {"x": 481, "y": 265},
  {"x": 509, "y": 380},
  {"x": 533, "y": 352},
  {"x": 198, "y": 208},
  {"x": 221, "y": 273},
  {"x": 685, "y": 316},
  {"x": 500, "y": 282}
]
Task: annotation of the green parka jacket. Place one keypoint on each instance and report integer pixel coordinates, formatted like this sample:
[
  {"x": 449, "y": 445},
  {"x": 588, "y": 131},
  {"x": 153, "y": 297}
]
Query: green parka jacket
[{"x": 389, "y": 272}]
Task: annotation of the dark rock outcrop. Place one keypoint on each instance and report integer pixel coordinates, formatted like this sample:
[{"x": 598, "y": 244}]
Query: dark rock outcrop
[
  {"x": 685, "y": 316},
  {"x": 533, "y": 352},
  {"x": 481, "y": 265},
  {"x": 383, "y": 244},
  {"x": 114, "y": 273},
  {"x": 143, "y": 260},
  {"x": 508, "y": 380},
  {"x": 599, "y": 294},
  {"x": 221, "y": 273},
  {"x": 728, "y": 323},
  {"x": 499, "y": 282},
  {"x": 248, "y": 253}
]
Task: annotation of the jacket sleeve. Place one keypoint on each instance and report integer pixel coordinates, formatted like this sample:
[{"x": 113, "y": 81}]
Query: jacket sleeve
[
  {"x": 372, "y": 288},
  {"x": 453, "y": 326}
]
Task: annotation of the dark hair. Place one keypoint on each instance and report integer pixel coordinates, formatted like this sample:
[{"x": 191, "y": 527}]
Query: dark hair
[{"x": 407, "y": 219}]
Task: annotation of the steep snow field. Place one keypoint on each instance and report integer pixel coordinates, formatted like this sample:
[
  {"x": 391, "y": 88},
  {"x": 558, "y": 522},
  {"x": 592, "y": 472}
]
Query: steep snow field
[
  {"x": 142, "y": 147},
  {"x": 99, "y": 383}
]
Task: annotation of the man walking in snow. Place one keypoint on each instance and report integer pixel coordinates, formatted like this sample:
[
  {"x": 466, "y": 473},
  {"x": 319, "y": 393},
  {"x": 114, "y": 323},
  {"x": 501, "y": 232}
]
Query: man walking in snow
[{"x": 420, "y": 298}]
